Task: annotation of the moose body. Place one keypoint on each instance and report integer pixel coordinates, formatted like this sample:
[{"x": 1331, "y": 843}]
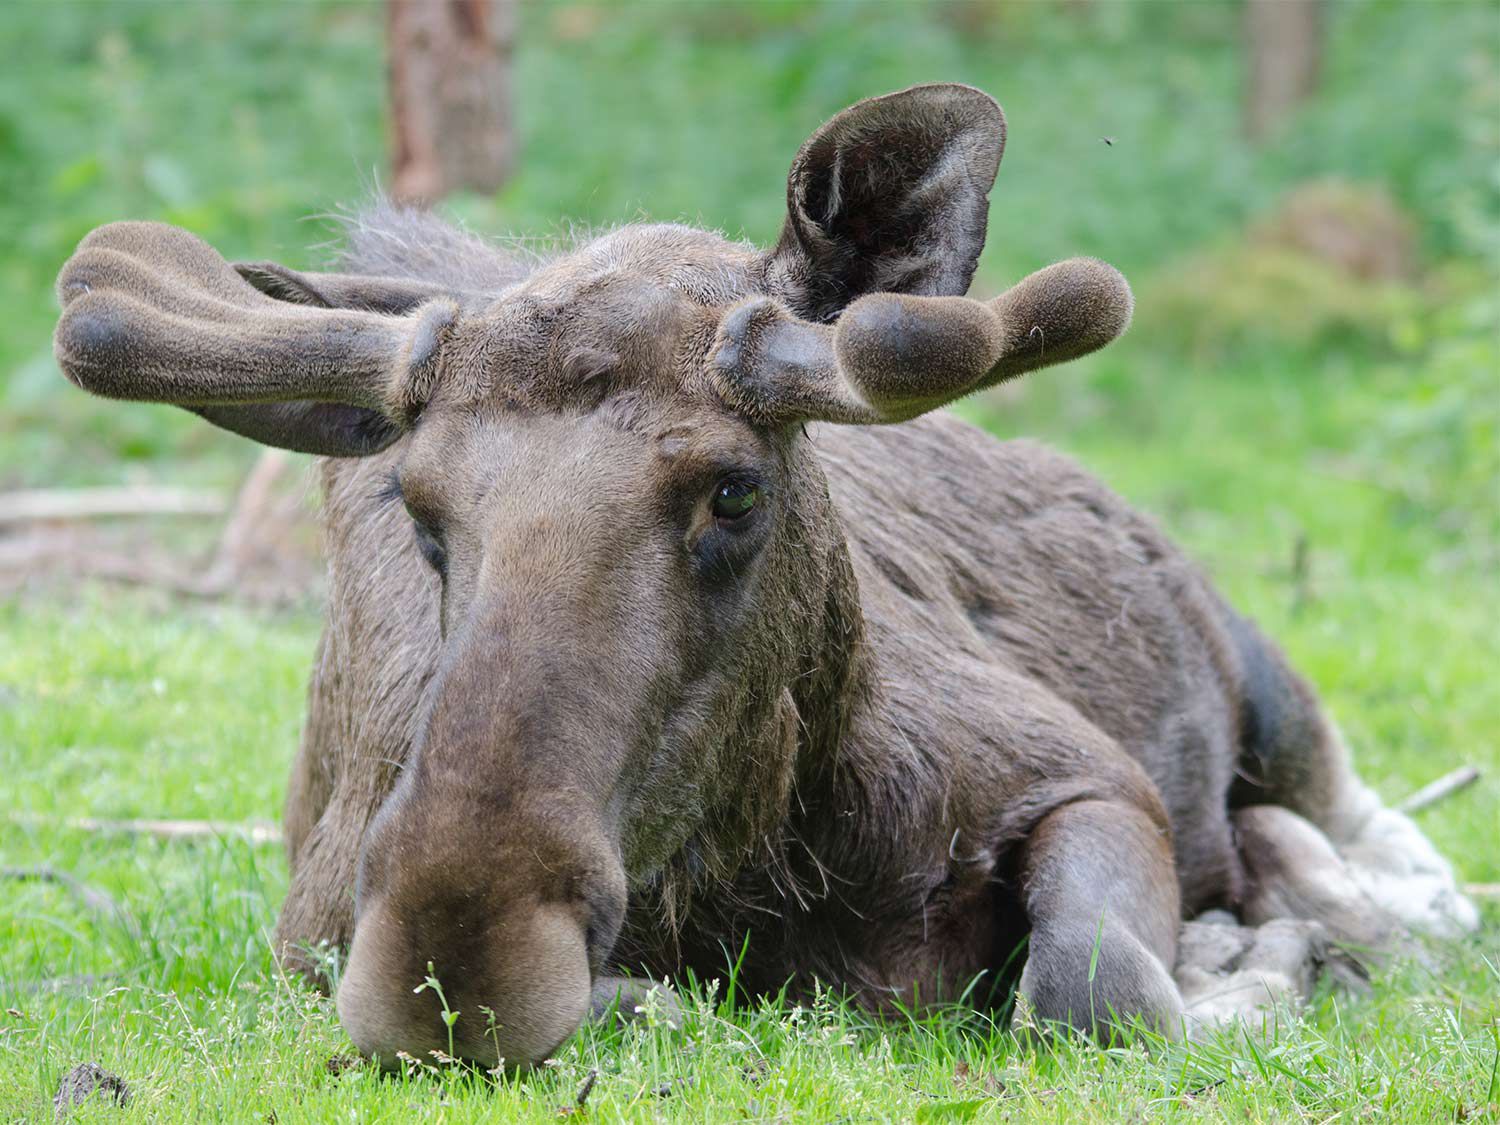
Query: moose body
[
  {"x": 644, "y": 639},
  {"x": 1016, "y": 628}
]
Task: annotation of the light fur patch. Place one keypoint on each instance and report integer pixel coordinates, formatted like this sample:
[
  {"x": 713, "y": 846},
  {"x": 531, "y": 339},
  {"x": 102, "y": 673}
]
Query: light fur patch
[{"x": 1395, "y": 865}]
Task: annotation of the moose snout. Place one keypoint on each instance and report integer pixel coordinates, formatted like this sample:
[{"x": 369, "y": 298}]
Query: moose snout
[
  {"x": 496, "y": 859},
  {"x": 505, "y": 993},
  {"x": 473, "y": 941}
]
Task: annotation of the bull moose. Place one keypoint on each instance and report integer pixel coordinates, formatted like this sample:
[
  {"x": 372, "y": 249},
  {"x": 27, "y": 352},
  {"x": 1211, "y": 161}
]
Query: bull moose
[{"x": 649, "y": 632}]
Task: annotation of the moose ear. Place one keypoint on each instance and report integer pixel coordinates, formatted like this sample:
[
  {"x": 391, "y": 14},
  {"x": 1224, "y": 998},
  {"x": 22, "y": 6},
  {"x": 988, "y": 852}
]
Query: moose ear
[
  {"x": 393, "y": 295},
  {"x": 889, "y": 197}
]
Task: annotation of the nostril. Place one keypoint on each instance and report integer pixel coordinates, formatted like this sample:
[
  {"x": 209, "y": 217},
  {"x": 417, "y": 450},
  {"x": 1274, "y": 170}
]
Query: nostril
[
  {"x": 604, "y": 911},
  {"x": 591, "y": 944}
]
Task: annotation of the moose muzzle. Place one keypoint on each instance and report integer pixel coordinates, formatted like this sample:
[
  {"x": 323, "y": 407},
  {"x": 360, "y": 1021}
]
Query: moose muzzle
[
  {"x": 506, "y": 995},
  {"x": 481, "y": 924}
]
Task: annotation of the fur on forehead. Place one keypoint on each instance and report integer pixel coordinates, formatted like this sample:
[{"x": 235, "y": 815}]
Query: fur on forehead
[
  {"x": 629, "y": 310},
  {"x": 389, "y": 239},
  {"x": 703, "y": 266}
]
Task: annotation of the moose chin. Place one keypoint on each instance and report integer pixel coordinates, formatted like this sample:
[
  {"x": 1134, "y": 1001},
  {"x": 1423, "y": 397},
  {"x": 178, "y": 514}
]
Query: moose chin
[{"x": 668, "y": 608}]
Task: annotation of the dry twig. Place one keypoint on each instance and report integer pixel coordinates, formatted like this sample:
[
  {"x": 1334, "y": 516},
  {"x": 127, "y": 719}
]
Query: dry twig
[
  {"x": 81, "y": 984},
  {"x": 254, "y": 831},
  {"x": 55, "y": 538},
  {"x": 94, "y": 900},
  {"x": 68, "y": 505},
  {"x": 245, "y": 530},
  {"x": 1440, "y": 790}
]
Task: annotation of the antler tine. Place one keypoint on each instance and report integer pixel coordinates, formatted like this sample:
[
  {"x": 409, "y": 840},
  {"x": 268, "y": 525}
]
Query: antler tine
[
  {"x": 153, "y": 313},
  {"x": 906, "y": 355},
  {"x": 891, "y": 356}
]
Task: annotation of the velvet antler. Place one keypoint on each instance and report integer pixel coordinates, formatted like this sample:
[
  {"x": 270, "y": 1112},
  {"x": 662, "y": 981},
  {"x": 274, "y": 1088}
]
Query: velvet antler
[
  {"x": 891, "y": 357},
  {"x": 153, "y": 313}
]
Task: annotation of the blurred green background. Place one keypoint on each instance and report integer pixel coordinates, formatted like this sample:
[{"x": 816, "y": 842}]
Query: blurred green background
[
  {"x": 244, "y": 122},
  {"x": 1309, "y": 399}
]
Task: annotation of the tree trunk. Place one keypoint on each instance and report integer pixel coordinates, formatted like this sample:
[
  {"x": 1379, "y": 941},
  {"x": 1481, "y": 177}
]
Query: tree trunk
[
  {"x": 450, "y": 83},
  {"x": 1284, "y": 52}
]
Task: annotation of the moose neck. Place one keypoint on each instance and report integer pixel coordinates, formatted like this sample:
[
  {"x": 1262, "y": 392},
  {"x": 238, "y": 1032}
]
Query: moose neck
[
  {"x": 848, "y": 826},
  {"x": 862, "y": 789}
]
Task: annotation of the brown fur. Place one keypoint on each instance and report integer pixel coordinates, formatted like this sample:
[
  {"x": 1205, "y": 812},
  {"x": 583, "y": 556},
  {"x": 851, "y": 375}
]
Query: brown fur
[{"x": 935, "y": 694}]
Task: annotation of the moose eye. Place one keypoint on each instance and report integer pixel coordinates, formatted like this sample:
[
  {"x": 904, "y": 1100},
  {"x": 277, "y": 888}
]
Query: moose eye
[
  {"x": 431, "y": 546},
  {"x": 734, "y": 499}
]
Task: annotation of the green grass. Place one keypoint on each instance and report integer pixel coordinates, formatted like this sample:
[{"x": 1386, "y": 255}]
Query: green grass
[
  {"x": 1343, "y": 486},
  {"x": 135, "y": 706}
]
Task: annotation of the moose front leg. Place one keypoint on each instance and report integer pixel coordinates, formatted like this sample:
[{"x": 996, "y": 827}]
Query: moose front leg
[
  {"x": 627, "y": 997},
  {"x": 1100, "y": 891}
]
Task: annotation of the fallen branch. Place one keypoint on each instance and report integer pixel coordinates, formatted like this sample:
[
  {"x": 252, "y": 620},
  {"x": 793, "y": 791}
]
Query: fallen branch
[
  {"x": 246, "y": 527},
  {"x": 1440, "y": 790},
  {"x": 254, "y": 831},
  {"x": 54, "y": 985},
  {"x": 49, "y": 536},
  {"x": 94, "y": 900},
  {"x": 54, "y": 505},
  {"x": 102, "y": 563}
]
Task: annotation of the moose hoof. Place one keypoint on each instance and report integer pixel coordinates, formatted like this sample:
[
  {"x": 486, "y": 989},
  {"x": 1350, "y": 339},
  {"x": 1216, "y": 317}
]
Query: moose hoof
[
  {"x": 627, "y": 999},
  {"x": 1229, "y": 973}
]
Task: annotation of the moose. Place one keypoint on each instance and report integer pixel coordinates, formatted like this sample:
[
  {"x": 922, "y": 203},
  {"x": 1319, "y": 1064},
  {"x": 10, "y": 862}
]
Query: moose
[{"x": 668, "y": 613}]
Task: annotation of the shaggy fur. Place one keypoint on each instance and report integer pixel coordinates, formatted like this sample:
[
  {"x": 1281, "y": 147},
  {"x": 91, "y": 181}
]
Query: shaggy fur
[{"x": 935, "y": 701}]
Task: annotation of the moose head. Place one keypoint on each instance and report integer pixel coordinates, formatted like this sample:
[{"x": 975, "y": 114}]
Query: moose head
[{"x": 645, "y": 598}]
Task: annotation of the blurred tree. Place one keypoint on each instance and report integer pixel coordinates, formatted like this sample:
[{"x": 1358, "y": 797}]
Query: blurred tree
[
  {"x": 450, "y": 89},
  {"x": 1284, "y": 53}
]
